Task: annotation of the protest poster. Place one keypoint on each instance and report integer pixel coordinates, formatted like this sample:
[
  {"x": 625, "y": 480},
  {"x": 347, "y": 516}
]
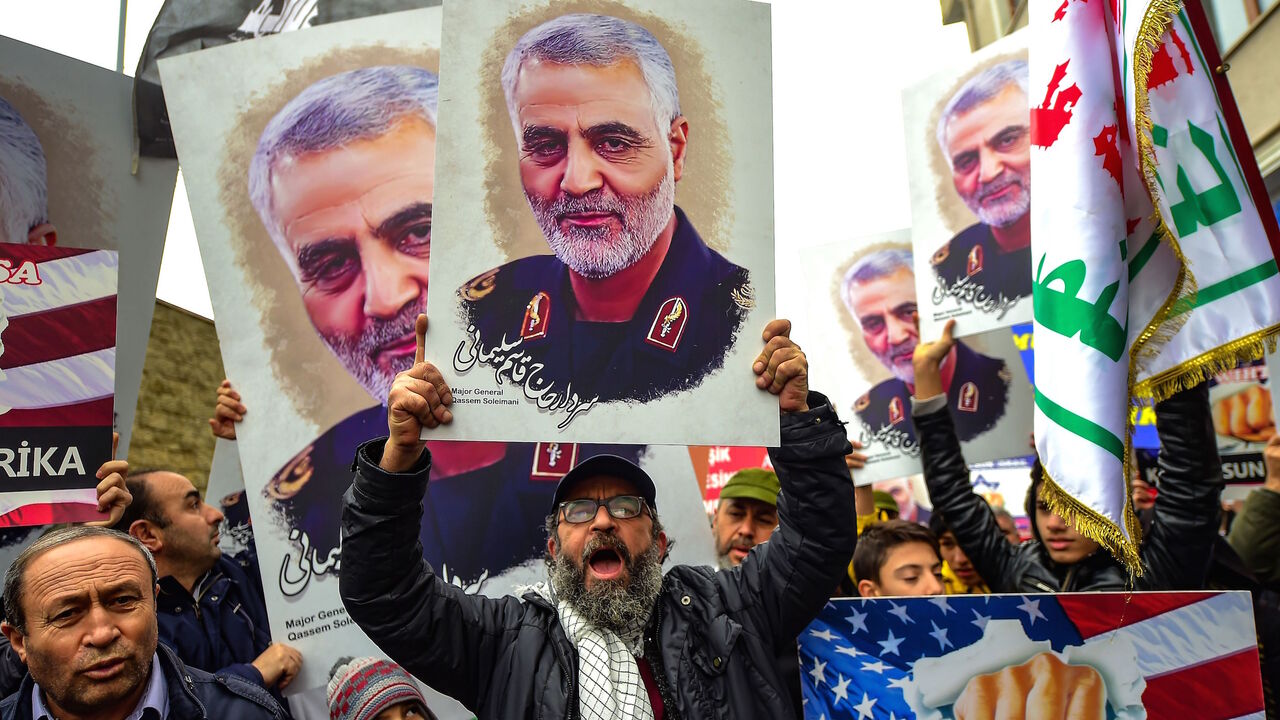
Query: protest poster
[
  {"x": 859, "y": 334},
  {"x": 225, "y": 491},
  {"x": 1094, "y": 655},
  {"x": 715, "y": 464},
  {"x": 606, "y": 282},
  {"x": 967, "y": 130},
  {"x": 1242, "y": 408},
  {"x": 57, "y": 378},
  {"x": 66, "y": 134},
  {"x": 314, "y": 222}
]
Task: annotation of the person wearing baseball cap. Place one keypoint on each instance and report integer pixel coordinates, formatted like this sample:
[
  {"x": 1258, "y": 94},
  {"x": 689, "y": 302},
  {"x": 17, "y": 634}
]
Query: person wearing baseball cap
[
  {"x": 608, "y": 635},
  {"x": 746, "y": 514}
]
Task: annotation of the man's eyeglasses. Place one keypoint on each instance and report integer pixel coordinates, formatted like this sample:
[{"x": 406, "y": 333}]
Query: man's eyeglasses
[{"x": 621, "y": 507}]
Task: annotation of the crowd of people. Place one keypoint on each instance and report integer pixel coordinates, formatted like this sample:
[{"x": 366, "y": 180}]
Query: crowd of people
[{"x": 143, "y": 616}]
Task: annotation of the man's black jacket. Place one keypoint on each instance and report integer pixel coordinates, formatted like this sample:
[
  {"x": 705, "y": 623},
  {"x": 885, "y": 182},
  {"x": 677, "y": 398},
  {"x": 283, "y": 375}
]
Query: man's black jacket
[
  {"x": 712, "y": 640},
  {"x": 1175, "y": 552},
  {"x": 193, "y": 695}
]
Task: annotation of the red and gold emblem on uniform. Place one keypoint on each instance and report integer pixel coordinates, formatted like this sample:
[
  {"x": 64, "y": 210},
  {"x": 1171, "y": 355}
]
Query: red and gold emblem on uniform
[
  {"x": 551, "y": 460},
  {"x": 974, "y": 264},
  {"x": 968, "y": 400},
  {"x": 668, "y": 324},
  {"x": 536, "y": 315},
  {"x": 895, "y": 411}
]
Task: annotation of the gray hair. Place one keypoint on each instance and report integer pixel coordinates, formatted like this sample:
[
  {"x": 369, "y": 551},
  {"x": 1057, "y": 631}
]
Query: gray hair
[
  {"x": 598, "y": 41},
  {"x": 331, "y": 113},
  {"x": 24, "y": 182},
  {"x": 14, "y": 580},
  {"x": 873, "y": 266},
  {"x": 979, "y": 89}
]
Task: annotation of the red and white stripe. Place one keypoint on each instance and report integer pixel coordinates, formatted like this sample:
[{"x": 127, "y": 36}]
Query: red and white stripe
[
  {"x": 1191, "y": 648},
  {"x": 59, "y": 345}
]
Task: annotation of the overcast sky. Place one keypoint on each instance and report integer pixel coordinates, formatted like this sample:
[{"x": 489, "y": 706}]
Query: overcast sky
[{"x": 838, "y": 68}]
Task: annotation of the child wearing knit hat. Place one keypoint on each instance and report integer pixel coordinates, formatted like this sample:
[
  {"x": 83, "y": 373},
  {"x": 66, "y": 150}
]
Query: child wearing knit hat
[{"x": 371, "y": 688}]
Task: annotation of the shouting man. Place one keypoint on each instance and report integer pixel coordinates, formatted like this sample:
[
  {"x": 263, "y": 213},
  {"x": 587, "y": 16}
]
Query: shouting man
[{"x": 609, "y": 636}]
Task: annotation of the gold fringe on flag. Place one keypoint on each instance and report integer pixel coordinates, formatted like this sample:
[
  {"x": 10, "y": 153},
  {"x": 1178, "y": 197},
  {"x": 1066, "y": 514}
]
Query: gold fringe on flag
[{"x": 1091, "y": 524}]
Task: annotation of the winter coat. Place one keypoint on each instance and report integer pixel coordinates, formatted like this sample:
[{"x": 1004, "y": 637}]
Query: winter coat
[
  {"x": 712, "y": 640},
  {"x": 193, "y": 695},
  {"x": 1175, "y": 553}
]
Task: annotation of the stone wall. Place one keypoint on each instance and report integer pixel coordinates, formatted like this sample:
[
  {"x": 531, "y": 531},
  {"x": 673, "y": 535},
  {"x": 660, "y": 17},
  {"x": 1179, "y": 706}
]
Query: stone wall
[{"x": 179, "y": 380}]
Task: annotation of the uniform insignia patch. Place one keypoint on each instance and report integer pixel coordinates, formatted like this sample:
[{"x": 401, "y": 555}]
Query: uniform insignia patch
[
  {"x": 943, "y": 253},
  {"x": 536, "y": 315},
  {"x": 895, "y": 411},
  {"x": 551, "y": 460},
  {"x": 292, "y": 477},
  {"x": 479, "y": 286},
  {"x": 668, "y": 325},
  {"x": 744, "y": 296},
  {"x": 974, "y": 264},
  {"x": 862, "y": 403},
  {"x": 968, "y": 400}
]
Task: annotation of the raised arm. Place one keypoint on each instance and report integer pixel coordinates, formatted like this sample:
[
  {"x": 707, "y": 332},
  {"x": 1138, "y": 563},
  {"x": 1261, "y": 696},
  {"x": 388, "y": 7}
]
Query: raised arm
[
  {"x": 1178, "y": 547},
  {"x": 947, "y": 474},
  {"x": 434, "y": 630},
  {"x": 785, "y": 582}
]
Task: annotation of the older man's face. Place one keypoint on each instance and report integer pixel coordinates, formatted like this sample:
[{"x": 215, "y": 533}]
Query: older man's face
[
  {"x": 989, "y": 150},
  {"x": 598, "y": 172},
  {"x": 609, "y": 568},
  {"x": 357, "y": 220},
  {"x": 90, "y": 626},
  {"x": 885, "y": 308}
]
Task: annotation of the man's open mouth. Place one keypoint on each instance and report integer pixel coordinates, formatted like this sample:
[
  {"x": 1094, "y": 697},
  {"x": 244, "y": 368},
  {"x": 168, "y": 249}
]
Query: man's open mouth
[{"x": 605, "y": 563}]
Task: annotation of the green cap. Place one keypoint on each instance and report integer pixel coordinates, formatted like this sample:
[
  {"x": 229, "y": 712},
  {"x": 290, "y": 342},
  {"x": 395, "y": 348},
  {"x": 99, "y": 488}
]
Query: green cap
[
  {"x": 754, "y": 483},
  {"x": 885, "y": 501}
]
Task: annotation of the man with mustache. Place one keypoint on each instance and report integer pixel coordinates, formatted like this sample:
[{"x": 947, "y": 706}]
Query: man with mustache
[
  {"x": 80, "y": 609},
  {"x": 632, "y": 305},
  {"x": 985, "y": 136},
  {"x": 879, "y": 291},
  {"x": 609, "y": 636},
  {"x": 211, "y": 607},
  {"x": 746, "y": 515},
  {"x": 343, "y": 180}
]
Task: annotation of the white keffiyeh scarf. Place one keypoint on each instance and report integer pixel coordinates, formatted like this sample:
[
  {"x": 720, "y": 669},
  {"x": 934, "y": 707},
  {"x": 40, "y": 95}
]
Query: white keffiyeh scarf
[{"x": 609, "y": 683}]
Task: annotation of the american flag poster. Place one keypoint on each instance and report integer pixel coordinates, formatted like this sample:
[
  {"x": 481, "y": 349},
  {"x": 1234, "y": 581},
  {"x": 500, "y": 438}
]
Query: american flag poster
[
  {"x": 57, "y": 380},
  {"x": 1083, "y": 655}
]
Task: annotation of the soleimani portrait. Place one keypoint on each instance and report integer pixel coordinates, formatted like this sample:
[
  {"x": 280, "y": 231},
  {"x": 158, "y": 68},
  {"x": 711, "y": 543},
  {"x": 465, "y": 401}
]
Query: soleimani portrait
[
  {"x": 632, "y": 304},
  {"x": 984, "y": 135}
]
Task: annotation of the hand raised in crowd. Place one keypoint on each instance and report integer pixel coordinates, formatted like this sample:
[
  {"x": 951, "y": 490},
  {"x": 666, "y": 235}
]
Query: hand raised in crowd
[
  {"x": 419, "y": 398},
  {"x": 1042, "y": 687},
  {"x": 227, "y": 412},
  {"x": 782, "y": 368},
  {"x": 279, "y": 665},
  {"x": 927, "y": 361},
  {"x": 113, "y": 494},
  {"x": 1246, "y": 415}
]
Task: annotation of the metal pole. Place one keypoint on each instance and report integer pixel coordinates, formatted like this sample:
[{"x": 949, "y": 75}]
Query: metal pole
[{"x": 124, "y": 6}]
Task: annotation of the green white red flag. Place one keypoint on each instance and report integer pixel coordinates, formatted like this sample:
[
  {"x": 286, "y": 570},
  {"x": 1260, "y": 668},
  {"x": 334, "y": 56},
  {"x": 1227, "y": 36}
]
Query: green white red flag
[{"x": 1153, "y": 257}]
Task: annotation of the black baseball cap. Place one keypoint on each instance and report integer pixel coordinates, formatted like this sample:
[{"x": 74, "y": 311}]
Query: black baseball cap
[{"x": 612, "y": 466}]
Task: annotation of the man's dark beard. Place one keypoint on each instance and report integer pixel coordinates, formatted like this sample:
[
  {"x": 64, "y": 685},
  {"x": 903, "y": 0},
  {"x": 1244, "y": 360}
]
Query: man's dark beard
[{"x": 622, "y": 605}]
